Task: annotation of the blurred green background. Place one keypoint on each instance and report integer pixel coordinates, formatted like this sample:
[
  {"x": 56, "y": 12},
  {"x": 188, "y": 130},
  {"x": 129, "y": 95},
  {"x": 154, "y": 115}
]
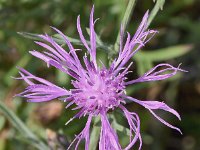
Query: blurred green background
[{"x": 177, "y": 42}]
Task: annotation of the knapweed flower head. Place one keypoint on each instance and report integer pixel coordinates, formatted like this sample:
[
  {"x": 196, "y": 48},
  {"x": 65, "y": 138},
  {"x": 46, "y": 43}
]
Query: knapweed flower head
[{"x": 98, "y": 89}]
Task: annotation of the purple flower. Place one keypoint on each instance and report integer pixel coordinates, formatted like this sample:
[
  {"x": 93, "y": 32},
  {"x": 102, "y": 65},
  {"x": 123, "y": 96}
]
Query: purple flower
[{"x": 98, "y": 89}]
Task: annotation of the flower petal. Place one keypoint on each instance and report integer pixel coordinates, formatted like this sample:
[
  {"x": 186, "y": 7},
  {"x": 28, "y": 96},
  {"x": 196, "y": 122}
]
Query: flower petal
[
  {"x": 108, "y": 137},
  {"x": 93, "y": 38},
  {"x": 155, "y": 105},
  {"x": 164, "y": 122},
  {"x": 85, "y": 134},
  {"x": 57, "y": 57},
  {"x": 44, "y": 91},
  {"x": 135, "y": 43},
  {"x": 134, "y": 124},
  {"x": 153, "y": 75},
  {"x": 81, "y": 34},
  {"x": 92, "y": 49}
]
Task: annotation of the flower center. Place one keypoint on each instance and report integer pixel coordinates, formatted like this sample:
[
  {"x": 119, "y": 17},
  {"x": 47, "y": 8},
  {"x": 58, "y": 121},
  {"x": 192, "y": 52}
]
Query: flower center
[{"x": 102, "y": 90}]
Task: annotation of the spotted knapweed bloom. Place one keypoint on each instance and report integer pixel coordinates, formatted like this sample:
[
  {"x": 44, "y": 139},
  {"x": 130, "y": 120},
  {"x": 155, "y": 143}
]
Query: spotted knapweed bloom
[{"x": 98, "y": 89}]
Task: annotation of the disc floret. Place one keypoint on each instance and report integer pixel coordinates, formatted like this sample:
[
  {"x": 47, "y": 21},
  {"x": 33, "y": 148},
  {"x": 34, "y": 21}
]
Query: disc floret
[{"x": 101, "y": 91}]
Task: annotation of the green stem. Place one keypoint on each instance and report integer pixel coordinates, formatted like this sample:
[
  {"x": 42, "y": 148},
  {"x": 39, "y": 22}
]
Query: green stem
[
  {"x": 159, "y": 5},
  {"x": 94, "y": 137},
  {"x": 125, "y": 21},
  {"x": 22, "y": 128}
]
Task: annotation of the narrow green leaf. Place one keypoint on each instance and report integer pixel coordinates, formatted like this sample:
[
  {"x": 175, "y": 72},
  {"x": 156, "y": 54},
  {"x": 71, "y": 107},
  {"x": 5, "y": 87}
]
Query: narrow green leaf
[
  {"x": 125, "y": 21},
  {"x": 22, "y": 128},
  {"x": 59, "y": 39},
  {"x": 94, "y": 137},
  {"x": 143, "y": 65},
  {"x": 31, "y": 36},
  {"x": 13, "y": 71},
  {"x": 164, "y": 53},
  {"x": 160, "y": 2},
  {"x": 98, "y": 39},
  {"x": 56, "y": 37},
  {"x": 118, "y": 127},
  {"x": 146, "y": 58},
  {"x": 2, "y": 143},
  {"x": 159, "y": 5},
  {"x": 2, "y": 122},
  {"x": 121, "y": 128}
]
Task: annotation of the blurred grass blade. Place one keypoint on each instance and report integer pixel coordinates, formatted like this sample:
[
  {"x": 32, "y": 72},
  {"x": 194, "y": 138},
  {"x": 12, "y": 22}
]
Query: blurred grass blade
[
  {"x": 56, "y": 37},
  {"x": 94, "y": 137},
  {"x": 145, "y": 59},
  {"x": 159, "y": 5},
  {"x": 13, "y": 71},
  {"x": 2, "y": 122},
  {"x": 125, "y": 21},
  {"x": 164, "y": 53},
  {"x": 31, "y": 36},
  {"x": 2, "y": 143},
  {"x": 59, "y": 39},
  {"x": 98, "y": 39},
  {"x": 143, "y": 65},
  {"x": 22, "y": 128},
  {"x": 118, "y": 127},
  {"x": 62, "y": 78}
]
